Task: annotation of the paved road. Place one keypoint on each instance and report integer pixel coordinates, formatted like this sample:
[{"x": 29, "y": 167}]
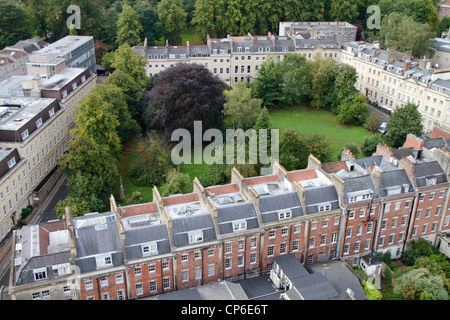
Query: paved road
[{"x": 50, "y": 213}]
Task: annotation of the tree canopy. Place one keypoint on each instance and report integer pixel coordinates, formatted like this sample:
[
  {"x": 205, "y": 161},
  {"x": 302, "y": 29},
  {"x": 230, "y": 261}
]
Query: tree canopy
[
  {"x": 183, "y": 94},
  {"x": 405, "y": 120}
]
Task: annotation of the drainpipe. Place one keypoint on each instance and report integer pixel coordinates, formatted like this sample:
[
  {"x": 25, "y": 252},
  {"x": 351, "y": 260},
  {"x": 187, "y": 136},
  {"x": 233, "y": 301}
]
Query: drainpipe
[{"x": 342, "y": 222}]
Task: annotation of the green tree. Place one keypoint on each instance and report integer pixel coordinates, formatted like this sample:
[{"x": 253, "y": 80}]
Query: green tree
[
  {"x": 176, "y": 182},
  {"x": 128, "y": 27},
  {"x": 204, "y": 19},
  {"x": 405, "y": 120},
  {"x": 78, "y": 207},
  {"x": 14, "y": 24},
  {"x": 418, "y": 248},
  {"x": 321, "y": 79},
  {"x": 318, "y": 145},
  {"x": 130, "y": 62},
  {"x": 370, "y": 291},
  {"x": 443, "y": 25},
  {"x": 214, "y": 174},
  {"x": 292, "y": 150},
  {"x": 344, "y": 10},
  {"x": 268, "y": 85},
  {"x": 369, "y": 144},
  {"x": 136, "y": 198},
  {"x": 152, "y": 28},
  {"x": 353, "y": 111},
  {"x": 405, "y": 34},
  {"x": 150, "y": 162},
  {"x": 96, "y": 121},
  {"x": 133, "y": 92},
  {"x": 240, "y": 109},
  {"x": 108, "y": 31},
  {"x": 420, "y": 284},
  {"x": 295, "y": 73},
  {"x": 173, "y": 18},
  {"x": 373, "y": 123},
  {"x": 90, "y": 168}
]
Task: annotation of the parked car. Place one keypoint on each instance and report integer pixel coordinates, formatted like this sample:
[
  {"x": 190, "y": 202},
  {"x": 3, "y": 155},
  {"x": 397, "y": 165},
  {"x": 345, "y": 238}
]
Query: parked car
[{"x": 382, "y": 128}]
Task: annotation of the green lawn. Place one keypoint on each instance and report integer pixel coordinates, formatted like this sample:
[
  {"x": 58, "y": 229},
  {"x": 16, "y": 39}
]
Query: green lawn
[
  {"x": 306, "y": 119},
  {"x": 128, "y": 185},
  {"x": 188, "y": 35},
  {"x": 301, "y": 118}
]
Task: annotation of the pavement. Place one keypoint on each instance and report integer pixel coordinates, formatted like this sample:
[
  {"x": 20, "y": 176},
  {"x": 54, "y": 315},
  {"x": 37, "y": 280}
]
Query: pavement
[{"x": 43, "y": 213}]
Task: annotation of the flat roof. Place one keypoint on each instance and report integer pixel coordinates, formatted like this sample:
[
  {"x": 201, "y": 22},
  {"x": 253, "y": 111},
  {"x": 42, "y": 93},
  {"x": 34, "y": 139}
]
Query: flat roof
[
  {"x": 64, "y": 45},
  {"x": 25, "y": 108}
]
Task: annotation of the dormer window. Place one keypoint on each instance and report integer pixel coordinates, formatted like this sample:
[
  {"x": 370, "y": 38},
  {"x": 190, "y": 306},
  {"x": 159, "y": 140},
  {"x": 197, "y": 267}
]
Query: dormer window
[
  {"x": 11, "y": 162},
  {"x": 38, "y": 122},
  {"x": 324, "y": 207},
  {"x": 195, "y": 236},
  {"x": 24, "y": 134},
  {"x": 51, "y": 112},
  {"x": 239, "y": 225},
  {"x": 40, "y": 273},
  {"x": 103, "y": 260},
  {"x": 149, "y": 249},
  {"x": 431, "y": 181},
  {"x": 285, "y": 214}
]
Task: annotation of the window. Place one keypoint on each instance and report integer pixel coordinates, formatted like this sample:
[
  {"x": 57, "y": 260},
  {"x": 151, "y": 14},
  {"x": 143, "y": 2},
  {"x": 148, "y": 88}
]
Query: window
[
  {"x": 198, "y": 272},
  {"x": 324, "y": 207},
  {"x": 228, "y": 247},
  {"x": 270, "y": 251},
  {"x": 346, "y": 249},
  {"x": 404, "y": 220},
  {"x": 271, "y": 234},
  {"x": 367, "y": 244},
  {"x": 88, "y": 285},
  {"x": 184, "y": 275},
  {"x": 323, "y": 240},
  {"x": 394, "y": 223},
  {"x": 195, "y": 236},
  {"x": 357, "y": 245},
  {"x": 362, "y": 213},
  {"x": 139, "y": 289},
  {"x": 239, "y": 225},
  {"x": 11, "y": 163},
  {"x": 184, "y": 258},
  {"x": 137, "y": 271},
  {"x": 24, "y": 134},
  {"x": 210, "y": 270},
  {"x": 383, "y": 224},
  {"x": 38, "y": 122},
  {"x": 166, "y": 282},
  {"x": 391, "y": 239},
  {"x": 359, "y": 230},
  {"x": 284, "y": 231},
  {"x": 348, "y": 232},
  {"x": 228, "y": 263},
  {"x": 252, "y": 258},
  {"x": 240, "y": 261},
  {"x": 295, "y": 245},
  {"x": 253, "y": 242},
  {"x": 333, "y": 237},
  {"x": 241, "y": 245},
  {"x": 284, "y": 214},
  {"x": 40, "y": 274},
  {"x": 104, "y": 282},
  {"x": 424, "y": 228},
  {"x": 312, "y": 242},
  {"x": 51, "y": 112},
  {"x": 119, "y": 279},
  {"x": 381, "y": 241}
]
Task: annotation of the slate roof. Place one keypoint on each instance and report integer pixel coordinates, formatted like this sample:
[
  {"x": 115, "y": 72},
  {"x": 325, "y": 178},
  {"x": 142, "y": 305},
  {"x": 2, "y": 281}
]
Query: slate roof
[
  {"x": 356, "y": 184},
  {"x": 94, "y": 239},
  {"x": 135, "y": 237},
  {"x": 392, "y": 179},
  {"x": 241, "y": 211},
  {"x": 318, "y": 195},
  {"x": 181, "y": 226},
  {"x": 311, "y": 286},
  {"x": 269, "y": 205},
  {"x": 425, "y": 170}
]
